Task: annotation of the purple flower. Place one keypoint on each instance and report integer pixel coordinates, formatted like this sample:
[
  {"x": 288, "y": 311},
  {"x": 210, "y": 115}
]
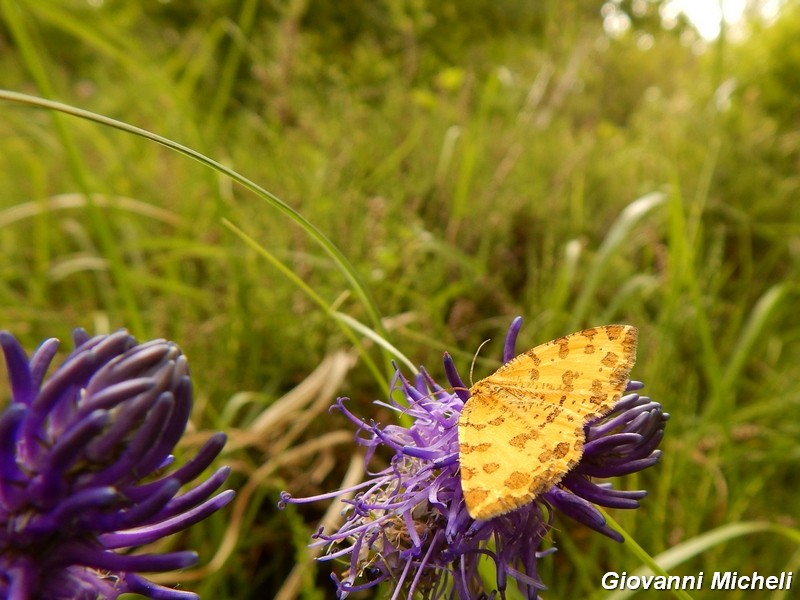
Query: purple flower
[
  {"x": 83, "y": 469},
  {"x": 408, "y": 525}
]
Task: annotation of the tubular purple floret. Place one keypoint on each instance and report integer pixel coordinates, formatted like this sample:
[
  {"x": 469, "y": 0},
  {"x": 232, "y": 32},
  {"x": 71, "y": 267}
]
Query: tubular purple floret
[
  {"x": 115, "y": 394},
  {"x": 654, "y": 426},
  {"x": 579, "y": 509},
  {"x": 621, "y": 418},
  {"x": 19, "y": 374},
  {"x": 83, "y": 553},
  {"x": 130, "y": 463},
  {"x": 423, "y": 453},
  {"x": 81, "y": 505},
  {"x": 156, "y": 436},
  {"x": 451, "y": 372},
  {"x": 135, "y": 409},
  {"x": 423, "y": 383},
  {"x": 386, "y": 439},
  {"x": 430, "y": 388},
  {"x": 140, "y": 585},
  {"x": 147, "y": 533},
  {"x": 623, "y": 468},
  {"x": 604, "y": 496},
  {"x": 180, "y": 375},
  {"x": 358, "y": 422},
  {"x": 287, "y": 498},
  {"x": 71, "y": 443},
  {"x": 509, "y": 348},
  {"x": 40, "y": 361},
  {"x": 649, "y": 447},
  {"x": 62, "y": 385},
  {"x": 634, "y": 385},
  {"x": 207, "y": 453},
  {"x": 636, "y": 420},
  {"x": 101, "y": 349},
  {"x": 47, "y": 488},
  {"x": 189, "y": 471},
  {"x": 411, "y": 391},
  {"x": 612, "y": 443},
  {"x": 432, "y": 404},
  {"x": 10, "y": 421},
  {"x": 140, "y": 512},
  {"x": 80, "y": 337},
  {"x": 197, "y": 494},
  {"x": 136, "y": 361}
]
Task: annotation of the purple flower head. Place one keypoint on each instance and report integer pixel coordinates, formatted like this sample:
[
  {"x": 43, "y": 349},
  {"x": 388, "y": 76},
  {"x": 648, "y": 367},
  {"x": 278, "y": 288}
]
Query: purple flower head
[
  {"x": 408, "y": 524},
  {"x": 84, "y": 457}
]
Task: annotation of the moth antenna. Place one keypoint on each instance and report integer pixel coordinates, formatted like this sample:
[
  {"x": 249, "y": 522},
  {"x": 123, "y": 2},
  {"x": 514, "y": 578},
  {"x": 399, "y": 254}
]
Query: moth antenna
[{"x": 474, "y": 358}]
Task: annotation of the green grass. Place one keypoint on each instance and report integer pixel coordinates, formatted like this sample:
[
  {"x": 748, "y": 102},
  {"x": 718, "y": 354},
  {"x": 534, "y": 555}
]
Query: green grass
[{"x": 270, "y": 193}]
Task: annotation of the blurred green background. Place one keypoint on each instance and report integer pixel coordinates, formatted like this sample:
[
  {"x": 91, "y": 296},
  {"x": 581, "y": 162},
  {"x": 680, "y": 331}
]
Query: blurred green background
[{"x": 574, "y": 162}]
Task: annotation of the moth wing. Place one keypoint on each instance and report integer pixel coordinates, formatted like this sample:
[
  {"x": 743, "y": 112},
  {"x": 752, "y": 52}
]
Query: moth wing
[
  {"x": 521, "y": 430},
  {"x": 586, "y": 371},
  {"x": 507, "y": 458}
]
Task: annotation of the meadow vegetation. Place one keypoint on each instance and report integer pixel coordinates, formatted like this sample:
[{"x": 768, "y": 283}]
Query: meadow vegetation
[{"x": 470, "y": 165}]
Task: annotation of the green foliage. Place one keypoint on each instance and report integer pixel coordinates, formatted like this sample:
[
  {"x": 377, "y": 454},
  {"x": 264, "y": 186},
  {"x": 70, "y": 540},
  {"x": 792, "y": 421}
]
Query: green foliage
[
  {"x": 772, "y": 58},
  {"x": 471, "y": 162}
]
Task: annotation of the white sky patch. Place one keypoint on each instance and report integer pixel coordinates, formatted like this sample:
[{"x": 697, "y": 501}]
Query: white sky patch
[{"x": 708, "y": 15}]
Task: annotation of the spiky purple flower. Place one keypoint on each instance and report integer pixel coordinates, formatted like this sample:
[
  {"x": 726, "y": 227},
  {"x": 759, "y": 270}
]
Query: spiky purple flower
[
  {"x": 83, "y": 469},
  {"x": 408, "y": 524}
]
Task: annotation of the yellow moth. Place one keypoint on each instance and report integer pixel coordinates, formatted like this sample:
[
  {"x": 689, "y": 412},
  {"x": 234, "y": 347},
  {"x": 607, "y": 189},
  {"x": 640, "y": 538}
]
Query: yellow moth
[{"x": 522, "y": 428}]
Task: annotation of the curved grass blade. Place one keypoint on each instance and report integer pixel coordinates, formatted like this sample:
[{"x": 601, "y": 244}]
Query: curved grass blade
[{"x": 341, "y": 261}]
